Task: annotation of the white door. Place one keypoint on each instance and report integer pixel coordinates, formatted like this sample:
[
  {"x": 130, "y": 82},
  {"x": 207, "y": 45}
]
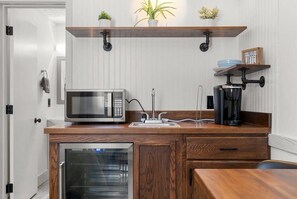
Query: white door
[{"x": 24, "y": 87}]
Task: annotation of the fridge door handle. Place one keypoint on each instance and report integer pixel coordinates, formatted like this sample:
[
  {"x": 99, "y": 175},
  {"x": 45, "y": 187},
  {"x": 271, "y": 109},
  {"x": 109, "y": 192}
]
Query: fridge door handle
[{"x": 61, "y": 180}]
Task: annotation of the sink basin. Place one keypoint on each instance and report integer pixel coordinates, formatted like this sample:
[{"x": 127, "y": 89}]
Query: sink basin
[{"x": 146, "y": 125}]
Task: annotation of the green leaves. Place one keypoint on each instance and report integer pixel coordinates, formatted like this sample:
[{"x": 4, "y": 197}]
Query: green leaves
[
  {"x": 104, "y": 15},
  {"x": 152, "y": 12}
]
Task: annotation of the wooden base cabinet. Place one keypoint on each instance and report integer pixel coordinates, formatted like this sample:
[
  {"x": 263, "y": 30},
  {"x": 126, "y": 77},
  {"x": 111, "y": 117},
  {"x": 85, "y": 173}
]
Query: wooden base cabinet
[
  {"x": 163, "y": 165},
  {"x": 223, "y": 153},
  {"x": 156, "y": 165}
]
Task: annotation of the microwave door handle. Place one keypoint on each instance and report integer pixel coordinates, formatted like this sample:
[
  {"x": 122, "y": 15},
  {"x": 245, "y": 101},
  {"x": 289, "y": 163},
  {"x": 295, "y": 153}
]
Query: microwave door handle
[
  {"x": 109, "y": 105},
  {"x": 61, "y": 180}
]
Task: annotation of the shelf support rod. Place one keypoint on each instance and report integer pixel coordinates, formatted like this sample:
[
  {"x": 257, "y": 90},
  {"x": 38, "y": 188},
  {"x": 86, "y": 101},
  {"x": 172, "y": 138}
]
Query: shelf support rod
[
  {"x": 246, "y": 81},
  {"x": 205, "y": 46},
  {"x": 106, "y": 45}
]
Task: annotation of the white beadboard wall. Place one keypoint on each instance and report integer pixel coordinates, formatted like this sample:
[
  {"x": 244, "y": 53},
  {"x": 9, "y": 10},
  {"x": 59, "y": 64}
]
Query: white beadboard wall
[
  {"x": 272, "y": 25},
  {"x": 261, "y": 18},
  {"x": 174, "y": 67}
]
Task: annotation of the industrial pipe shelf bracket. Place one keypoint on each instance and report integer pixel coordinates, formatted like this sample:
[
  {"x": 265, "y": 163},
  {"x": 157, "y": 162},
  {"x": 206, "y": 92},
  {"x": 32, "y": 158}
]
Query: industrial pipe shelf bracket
[
  {"x": 246, "y": 81},
  {"x": 106, "y": 45},
  {"x": 205, "y": 46}
]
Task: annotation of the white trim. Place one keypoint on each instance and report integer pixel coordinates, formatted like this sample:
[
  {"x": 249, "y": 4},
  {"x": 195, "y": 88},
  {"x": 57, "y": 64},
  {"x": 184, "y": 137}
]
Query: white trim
[
  {"x": 42, "y": 178},
  {"x": 283, "y": 143}
]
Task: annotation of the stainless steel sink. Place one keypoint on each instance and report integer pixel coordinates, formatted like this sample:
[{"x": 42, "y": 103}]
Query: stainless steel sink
[{"x": 152, "y": 125}]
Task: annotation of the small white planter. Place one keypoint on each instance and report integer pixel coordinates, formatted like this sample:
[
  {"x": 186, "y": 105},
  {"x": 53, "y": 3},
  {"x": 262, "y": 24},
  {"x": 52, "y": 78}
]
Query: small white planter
[
  {"x": 209, "y": 22},
  {"x": 104, "y": 23},
  {"x": 152, "y": 22}
]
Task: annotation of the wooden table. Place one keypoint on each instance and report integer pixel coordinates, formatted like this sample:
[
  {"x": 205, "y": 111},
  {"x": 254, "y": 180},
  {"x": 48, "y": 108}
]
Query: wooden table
[{"x": 245, "y": 184}]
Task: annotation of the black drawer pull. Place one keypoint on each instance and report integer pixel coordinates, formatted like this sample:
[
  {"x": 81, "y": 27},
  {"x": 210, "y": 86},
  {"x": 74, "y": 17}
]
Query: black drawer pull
[{"x": 228, "y": 149}]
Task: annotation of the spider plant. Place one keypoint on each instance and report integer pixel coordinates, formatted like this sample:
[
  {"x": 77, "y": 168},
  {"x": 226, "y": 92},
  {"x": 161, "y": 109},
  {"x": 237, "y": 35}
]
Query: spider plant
[{"x": 152, "y": 12}]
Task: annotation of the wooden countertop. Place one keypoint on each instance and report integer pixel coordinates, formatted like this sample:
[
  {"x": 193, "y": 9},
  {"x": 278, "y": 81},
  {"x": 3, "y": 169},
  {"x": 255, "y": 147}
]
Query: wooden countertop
[
  {"x": 185, "y": 128},
  {"x": 245, "y": 183}
]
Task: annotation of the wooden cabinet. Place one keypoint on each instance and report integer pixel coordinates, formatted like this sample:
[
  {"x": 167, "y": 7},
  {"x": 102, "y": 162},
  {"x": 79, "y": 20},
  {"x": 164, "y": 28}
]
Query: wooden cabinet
[
  {"x": 223, "y": 153},
  {"x": 227, "y": 148},
  {"x": 156, "y": 164},
  {"x": 164, "y": 164}
]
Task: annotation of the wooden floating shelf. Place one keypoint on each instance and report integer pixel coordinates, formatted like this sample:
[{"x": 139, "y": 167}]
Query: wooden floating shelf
[
  {"x": 236, "y": 69},
  {"x": 186, "y": 31}
]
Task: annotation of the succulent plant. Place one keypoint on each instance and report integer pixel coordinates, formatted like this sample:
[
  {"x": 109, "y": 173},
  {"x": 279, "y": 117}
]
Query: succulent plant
[
  {"x": 208, "y": 13},
  {"x": 104, "y": 15}
]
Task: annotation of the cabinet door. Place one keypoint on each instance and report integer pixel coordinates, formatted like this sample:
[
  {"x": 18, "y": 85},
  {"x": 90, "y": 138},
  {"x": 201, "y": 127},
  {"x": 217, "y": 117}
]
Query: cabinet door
[
  {"x": 157, "y": 170},
  {"x": 191, "y": 165}
]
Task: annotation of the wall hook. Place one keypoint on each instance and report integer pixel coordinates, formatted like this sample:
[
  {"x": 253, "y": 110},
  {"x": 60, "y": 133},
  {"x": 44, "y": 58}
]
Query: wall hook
[
  {"x": 106, "y": 45},
  {"x": 205, "y": 46}
]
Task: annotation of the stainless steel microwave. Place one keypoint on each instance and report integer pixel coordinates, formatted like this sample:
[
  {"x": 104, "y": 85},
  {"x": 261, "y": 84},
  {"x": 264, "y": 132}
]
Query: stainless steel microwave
[{"x": 95, "y": 105}]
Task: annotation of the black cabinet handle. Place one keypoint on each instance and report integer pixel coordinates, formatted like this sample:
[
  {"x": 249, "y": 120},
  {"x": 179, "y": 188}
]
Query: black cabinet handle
[
  {"x": 37, "y": 120},
  {"x": 190, "y": 177},
  {"x": 228, "y": 149}
]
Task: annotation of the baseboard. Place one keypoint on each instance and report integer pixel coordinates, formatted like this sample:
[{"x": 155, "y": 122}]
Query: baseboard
[
  {"x": 42, "y": 178},
  {"x": 283, "y": 143}
]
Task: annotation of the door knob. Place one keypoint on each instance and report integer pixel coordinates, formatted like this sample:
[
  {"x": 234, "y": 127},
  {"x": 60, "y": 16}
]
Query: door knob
[{"x": 37, "y": 120}]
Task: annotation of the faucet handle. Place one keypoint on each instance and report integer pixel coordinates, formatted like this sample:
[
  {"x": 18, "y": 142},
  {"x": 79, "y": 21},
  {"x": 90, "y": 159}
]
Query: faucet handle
[
  {"x": 160, "y": 115},
  {"x": 147, "y": 115}
]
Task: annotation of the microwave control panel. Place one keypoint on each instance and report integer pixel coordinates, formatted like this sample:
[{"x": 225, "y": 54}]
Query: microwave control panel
[{"x": 118, "y": 104}]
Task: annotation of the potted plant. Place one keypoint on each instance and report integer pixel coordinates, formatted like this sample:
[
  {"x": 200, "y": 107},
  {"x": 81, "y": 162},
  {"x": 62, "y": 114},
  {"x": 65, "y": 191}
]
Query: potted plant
[
  {"x": 153, "y": 11},
  {"x": 104, "y": 19},
  {"x": 209, "y": 15}
]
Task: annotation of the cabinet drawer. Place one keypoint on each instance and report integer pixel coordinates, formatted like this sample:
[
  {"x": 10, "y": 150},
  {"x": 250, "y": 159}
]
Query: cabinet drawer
[{"x": 227, "y": 148}]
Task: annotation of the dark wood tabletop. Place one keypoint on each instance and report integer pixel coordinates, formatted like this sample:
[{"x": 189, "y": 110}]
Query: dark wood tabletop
[{"x": 245, "y": 184}]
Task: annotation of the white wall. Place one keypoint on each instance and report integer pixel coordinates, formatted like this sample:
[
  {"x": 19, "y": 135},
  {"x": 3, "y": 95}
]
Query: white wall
[
  {"x": 286, "y": 115},
  {"x": 272, "y": 25},
  {"x": 174, "y": 67}
]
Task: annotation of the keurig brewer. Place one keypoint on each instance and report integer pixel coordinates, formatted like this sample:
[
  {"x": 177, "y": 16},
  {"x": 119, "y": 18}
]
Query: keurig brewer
[{"x": 227, "y": 104}]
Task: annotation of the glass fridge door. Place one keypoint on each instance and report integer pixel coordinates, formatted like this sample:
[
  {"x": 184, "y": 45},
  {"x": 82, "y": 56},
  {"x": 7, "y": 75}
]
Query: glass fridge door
[{"x": 96, "y": 171}]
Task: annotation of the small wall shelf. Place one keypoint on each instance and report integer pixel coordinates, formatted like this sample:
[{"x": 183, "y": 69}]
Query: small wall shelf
[
  {"x": 242, "y": 70},
  {"x": 236, "y": 69},
  {"x": 183, "y": 31}
]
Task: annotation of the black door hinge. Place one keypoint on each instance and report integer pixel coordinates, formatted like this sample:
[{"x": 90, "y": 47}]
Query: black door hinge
[
  {"x": 9, "y": 30},
  {"x": 9, "y": 109},
  {"x": 9, "y": 188}
]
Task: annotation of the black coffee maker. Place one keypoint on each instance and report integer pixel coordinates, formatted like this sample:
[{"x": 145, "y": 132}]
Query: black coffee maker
[{"x": 227, "y": 104}]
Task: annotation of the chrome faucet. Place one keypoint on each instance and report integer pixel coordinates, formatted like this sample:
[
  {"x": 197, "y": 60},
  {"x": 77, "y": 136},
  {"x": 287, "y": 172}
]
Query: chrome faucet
[{"x": 153, "y": 119}]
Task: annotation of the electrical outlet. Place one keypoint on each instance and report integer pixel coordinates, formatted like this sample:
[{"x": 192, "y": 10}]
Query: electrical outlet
[{"x": 210, "y": 102}]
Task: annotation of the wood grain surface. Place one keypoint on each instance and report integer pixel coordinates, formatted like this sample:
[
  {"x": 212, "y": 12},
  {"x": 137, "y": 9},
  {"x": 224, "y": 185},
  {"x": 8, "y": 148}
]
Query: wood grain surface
[
  {"x": 214, "y": 164},
  {"x": 227, "y": 148},
  {"x": 185, "y": 31},
  {"x": 245, "y": 184},
  {"x": 154, "y": 172},
  {"x": 236, "y": 69},
  {"x": 54, "y": 171}
]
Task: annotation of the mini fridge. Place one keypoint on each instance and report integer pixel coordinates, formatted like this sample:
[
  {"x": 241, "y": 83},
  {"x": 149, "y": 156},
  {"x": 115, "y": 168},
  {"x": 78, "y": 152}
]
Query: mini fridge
[{"x": 89, "y": 171}]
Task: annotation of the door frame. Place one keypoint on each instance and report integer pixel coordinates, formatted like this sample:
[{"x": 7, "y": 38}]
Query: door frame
[{"x": 6, "y": 121}]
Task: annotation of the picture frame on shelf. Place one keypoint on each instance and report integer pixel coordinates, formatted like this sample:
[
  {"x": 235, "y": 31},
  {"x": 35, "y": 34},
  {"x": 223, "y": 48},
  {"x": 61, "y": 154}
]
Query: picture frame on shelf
[{"x": 253, "y": 56}]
